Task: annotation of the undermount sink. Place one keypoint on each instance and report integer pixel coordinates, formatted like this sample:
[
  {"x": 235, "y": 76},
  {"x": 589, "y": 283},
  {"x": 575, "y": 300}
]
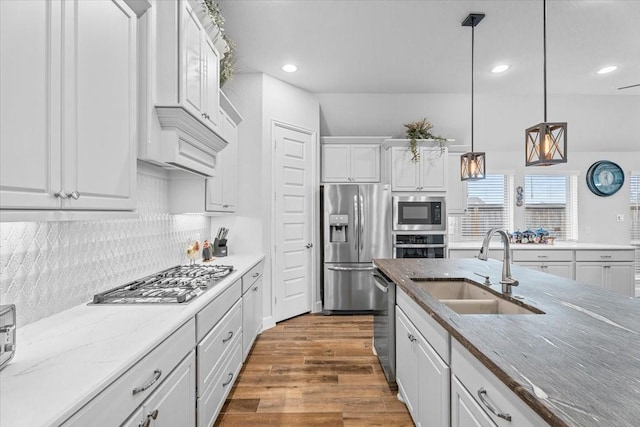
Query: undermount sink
[{"x": 467, "y": 298}]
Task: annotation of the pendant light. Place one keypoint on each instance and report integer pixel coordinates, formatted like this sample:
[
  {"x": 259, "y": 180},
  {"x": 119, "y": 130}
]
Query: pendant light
[
  {"x": 472, "y": 164},
  {"x": 546, "y": 142}
]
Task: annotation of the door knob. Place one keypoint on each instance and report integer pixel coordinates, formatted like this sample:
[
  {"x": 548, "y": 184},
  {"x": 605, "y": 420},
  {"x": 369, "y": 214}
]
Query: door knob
[{"x": 308, "y": 245}]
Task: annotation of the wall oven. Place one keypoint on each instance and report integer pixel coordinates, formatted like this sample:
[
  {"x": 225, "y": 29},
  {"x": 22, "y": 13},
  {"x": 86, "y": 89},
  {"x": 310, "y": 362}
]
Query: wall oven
[
  {"x": 419, "y": 245},
  {"x": 419, "y": 213}
]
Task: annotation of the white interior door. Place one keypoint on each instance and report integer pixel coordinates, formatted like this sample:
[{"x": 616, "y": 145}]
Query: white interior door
[{"x": 293, "y": 219}]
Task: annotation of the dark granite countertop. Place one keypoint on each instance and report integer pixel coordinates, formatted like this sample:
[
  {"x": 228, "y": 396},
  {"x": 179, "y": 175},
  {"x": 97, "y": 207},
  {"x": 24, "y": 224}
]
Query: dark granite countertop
[{"x": 583, "y": 353}]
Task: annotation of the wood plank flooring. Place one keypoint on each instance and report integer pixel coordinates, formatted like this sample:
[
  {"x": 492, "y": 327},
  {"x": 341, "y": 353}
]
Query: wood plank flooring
[{"x": 314, "y": 370}]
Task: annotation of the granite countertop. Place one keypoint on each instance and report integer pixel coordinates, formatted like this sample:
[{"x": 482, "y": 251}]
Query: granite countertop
[
  {"x": 496, "y": 243},
  {"x": 65, "y": 360},
  {"x": 583, "y": 353}
]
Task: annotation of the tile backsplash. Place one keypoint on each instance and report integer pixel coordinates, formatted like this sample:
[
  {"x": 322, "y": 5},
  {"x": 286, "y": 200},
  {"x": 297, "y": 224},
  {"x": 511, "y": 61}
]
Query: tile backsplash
[{"x": 47, "y": 267}]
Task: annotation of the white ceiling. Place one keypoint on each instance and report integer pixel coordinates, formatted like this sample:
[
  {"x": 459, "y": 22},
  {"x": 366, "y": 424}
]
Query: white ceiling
[{"x": 401, "y": 46}]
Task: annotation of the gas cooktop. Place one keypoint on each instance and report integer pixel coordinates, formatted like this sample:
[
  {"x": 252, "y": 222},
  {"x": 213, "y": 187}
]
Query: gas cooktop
[{"x": 179, "y": 284}]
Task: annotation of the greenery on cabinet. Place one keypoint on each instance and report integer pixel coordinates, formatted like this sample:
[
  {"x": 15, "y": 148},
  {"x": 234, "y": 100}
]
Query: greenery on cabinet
[
  {"x": 420, "y": 129},
  {"x": 228, "y": 61}
]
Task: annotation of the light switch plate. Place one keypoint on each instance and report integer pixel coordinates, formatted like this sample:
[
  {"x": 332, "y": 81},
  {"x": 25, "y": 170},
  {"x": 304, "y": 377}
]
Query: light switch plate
[{"x": 620, "y": 217}]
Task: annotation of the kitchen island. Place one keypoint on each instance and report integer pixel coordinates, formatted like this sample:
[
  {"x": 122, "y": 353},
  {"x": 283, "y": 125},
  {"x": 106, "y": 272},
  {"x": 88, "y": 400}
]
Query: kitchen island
[{"x": 578, "y": 364}]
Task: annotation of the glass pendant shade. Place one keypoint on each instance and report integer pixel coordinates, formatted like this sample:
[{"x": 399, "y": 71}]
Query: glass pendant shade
[
  {"x": 472, "y": 166},
  {"x": 546, "y": 144}
]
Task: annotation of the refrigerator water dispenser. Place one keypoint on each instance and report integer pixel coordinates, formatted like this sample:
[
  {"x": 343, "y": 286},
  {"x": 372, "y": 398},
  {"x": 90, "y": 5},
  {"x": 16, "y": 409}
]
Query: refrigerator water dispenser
[{"x": 338, "y": 228}]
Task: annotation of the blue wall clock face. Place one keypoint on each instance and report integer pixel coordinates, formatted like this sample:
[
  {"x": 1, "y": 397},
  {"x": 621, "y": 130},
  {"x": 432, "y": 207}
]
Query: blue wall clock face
[{"x": 605, "y": 178}]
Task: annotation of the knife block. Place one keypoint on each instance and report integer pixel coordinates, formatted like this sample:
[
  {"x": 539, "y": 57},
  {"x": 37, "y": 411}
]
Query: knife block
[{"x": 220, "y": 247}]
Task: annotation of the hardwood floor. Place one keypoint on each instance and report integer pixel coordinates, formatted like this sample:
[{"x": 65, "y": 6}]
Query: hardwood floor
[{"x": 314, "y": 370}]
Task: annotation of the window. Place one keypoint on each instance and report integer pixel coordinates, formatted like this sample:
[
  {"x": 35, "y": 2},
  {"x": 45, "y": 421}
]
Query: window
[
  {"x": 551, "y": 202},
  {"x": 635, "y": 220},
  {"x": 488, "y": 206}
]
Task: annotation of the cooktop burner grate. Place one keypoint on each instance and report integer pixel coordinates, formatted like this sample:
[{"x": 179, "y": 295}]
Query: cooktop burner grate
[{"x": 179, "y": 284}]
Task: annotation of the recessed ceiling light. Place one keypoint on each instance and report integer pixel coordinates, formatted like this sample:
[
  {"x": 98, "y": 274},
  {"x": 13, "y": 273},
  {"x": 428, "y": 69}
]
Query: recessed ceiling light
[
  {"x": 289, "y": 68},
  {"x": 500, "y": 68},
  {"x": 607, "y": 69}
]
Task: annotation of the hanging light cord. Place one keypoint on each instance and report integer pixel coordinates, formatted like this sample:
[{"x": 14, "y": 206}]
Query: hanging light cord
[
  {"x": 544, "y": 50},
  {"x": 473, "y": 27}
]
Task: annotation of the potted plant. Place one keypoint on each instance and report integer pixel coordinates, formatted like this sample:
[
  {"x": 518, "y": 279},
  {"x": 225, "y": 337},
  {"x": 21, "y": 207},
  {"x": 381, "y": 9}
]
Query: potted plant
[
  {"x": 228, "y": 60},
  {"x": 420, "y": 129}
]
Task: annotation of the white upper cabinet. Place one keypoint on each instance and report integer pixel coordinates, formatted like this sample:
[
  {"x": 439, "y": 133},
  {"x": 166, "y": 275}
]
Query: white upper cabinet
[
  {"x": 181, "y": 95},
  {"x": 351, "y": 159},
  {"x": 429, "y": 173},
  {"x": 68, "y": 115}
]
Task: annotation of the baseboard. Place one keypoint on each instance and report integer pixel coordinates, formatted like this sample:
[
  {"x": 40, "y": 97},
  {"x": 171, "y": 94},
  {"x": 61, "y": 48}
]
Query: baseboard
[
  {"x": 267, "y": 323},
  {"x": 318, "y": 307}
]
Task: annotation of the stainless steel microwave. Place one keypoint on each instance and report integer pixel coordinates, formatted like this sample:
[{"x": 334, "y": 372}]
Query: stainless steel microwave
[{"x": 419, "y": 213}]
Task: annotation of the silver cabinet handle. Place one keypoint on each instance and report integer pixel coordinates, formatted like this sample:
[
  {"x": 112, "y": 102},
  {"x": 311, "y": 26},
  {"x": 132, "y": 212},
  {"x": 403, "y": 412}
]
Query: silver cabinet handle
[
  {"x": 255, "y": 274},
  {"x": 75, "y": 195},
  {"x": 411, "y": 337},
  {"x": 61, "y": 194},
  {"x": 225, "y": 206},
  {"x": 605, "y": 256},
  {"x": 255, "y": 289},
  {"x": 229, "y": 380},
  {"x": 380, "y": 283},
  {"x": 350, "y": 269},
  {"x": 543, "y": 256},
  {"x": 481, "y": 394},
  {"x": 145, "y": 423},
  {"x": 153, "y": 414},
  {"x": 156, "y": 376},
  {"x": 308, "y": 245},
  {"x": 228, "y": 337}
]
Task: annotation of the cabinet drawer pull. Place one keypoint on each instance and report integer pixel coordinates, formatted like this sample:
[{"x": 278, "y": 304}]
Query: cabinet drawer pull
[
  {"x": 255, "y": 274},
  {"x": 605, "y": 256},
  {"x": 61, "y": 194},
  {"x": 543, "y": 256},
  {"x": 229, "y": 380},
  {"x": 411, "y": 337},
  {"x": 156, "y": 376},
  {"x": 153, "y": 414},
  {"x": 481, "y": 394},
  {"x": 228, "y": 337},
  {"x": 75, "y": 195},
  {"x": 255, "y": 289}
]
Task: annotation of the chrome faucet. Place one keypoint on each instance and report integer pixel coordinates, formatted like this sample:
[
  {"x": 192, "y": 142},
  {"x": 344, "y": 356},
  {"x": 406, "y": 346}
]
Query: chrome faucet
[{"x": 507, "y": 281}]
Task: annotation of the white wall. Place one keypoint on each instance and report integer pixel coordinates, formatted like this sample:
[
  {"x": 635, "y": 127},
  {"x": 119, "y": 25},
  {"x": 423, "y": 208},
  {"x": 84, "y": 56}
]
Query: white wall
[
  {"x": 500, "y": 120},
  {"x": 260, "y": 99}
]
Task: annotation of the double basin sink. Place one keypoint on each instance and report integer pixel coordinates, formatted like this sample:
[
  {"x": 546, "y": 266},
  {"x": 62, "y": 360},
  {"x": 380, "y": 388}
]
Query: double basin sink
[{"x": 468, "y": 298}]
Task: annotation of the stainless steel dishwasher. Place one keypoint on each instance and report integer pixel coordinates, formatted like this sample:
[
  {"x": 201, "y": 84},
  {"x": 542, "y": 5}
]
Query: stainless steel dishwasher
[{"x": 384, "y": 325}]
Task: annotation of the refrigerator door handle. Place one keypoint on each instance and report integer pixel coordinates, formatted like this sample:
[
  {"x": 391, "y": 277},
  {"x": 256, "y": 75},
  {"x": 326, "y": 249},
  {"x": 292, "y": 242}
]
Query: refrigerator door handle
[
  {"x": 350, "y": 268},
  {"x": 380, "y": 283},
  {"x": 361, "y": 220},
  {"x": 356, "y": 223}
]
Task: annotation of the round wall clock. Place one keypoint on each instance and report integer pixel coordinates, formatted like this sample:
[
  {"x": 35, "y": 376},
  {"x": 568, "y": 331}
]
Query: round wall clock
[{"x": 605, "y": 178}]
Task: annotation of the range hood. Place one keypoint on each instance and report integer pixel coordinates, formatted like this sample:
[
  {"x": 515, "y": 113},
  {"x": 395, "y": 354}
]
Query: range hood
[{"x": 187, "y": 143}]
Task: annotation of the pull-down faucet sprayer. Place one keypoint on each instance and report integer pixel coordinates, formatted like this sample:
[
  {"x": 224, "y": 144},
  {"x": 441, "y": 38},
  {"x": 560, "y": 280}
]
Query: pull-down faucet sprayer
[{"x": 507, "y": 281}]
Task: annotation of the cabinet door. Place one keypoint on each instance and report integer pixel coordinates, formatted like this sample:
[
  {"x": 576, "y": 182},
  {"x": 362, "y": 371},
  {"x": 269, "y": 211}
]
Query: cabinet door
[
  {"x": 251, "y": 316},
  {"x": 29, "y": 116},
  {"x": 365, "y": 163},
  {"x": 137, "y": 419},
  {"x": 99, "y": 105},
  {"x": 230, "y": 167},
  {"x": 175, "y": 399},
  {"x": 192, "y": 58},
  {"x": 620, "y": 278},
  {"x": 211, "y": 92},
  {"x": 406, "y": 363},
  {"x": 590, "y": 273},
  {"x": 562, "y": 269},
  {"x": 433, "y": 168},
  {"x": 404, "y": 171},
  {"x": 336, "y": 163},
  {"x": 465, "y": 411},
  {"x": 433, "y": 385}
]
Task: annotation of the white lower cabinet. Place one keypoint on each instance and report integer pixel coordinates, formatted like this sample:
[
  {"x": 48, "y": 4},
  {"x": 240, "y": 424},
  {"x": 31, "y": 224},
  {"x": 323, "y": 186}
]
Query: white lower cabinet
[
  {"x": 613, "y": 270},
  {"x": 556, "y": 262},
  {"x": 465, "y": 411},
  {"x": 251, "y": 307},
  {"x": 499, "y": 404},
  {"x": 421, "y": 374},
  {"x": 172, "y": 403}
]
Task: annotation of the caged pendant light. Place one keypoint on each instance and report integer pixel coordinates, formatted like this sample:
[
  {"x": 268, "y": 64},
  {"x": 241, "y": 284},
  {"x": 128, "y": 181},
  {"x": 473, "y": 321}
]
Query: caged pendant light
[
  {"x": 545, "y": 143},
  {"x": 472, "y": 164}
]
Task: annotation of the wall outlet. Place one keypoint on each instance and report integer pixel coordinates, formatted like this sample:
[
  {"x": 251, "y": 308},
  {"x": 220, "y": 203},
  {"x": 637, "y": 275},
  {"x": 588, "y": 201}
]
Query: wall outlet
[{"x": 620, "y": 217}]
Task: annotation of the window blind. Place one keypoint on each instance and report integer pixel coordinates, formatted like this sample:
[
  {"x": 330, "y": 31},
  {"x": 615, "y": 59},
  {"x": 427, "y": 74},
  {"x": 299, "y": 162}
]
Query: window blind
[
  {"x": 634, "y": 181},
  {"x": 488, "y": 206},
  {"x": 551, "y": 202}
]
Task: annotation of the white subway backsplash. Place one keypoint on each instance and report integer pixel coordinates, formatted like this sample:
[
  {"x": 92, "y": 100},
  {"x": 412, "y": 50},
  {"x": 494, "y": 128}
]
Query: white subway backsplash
[{"x": 47, "y": 267}]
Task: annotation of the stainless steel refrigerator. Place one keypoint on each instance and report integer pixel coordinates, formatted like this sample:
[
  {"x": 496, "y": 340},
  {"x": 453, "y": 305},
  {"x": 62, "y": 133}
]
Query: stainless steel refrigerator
[{"x": 357, "y": 229}]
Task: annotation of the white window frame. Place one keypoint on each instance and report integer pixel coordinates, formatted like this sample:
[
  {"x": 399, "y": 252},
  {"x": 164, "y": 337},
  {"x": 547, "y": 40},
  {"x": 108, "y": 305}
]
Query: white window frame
[
  {"x": 509, "y": 179},
  {"x": 634, "y": 216},
  {"x": 572, "y": 201}
]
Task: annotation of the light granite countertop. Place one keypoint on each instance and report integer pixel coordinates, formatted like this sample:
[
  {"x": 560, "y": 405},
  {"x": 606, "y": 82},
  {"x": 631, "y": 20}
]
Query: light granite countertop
[
  {"x": 583, "y": 353},
  {"x": 65, "y": 360}
]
